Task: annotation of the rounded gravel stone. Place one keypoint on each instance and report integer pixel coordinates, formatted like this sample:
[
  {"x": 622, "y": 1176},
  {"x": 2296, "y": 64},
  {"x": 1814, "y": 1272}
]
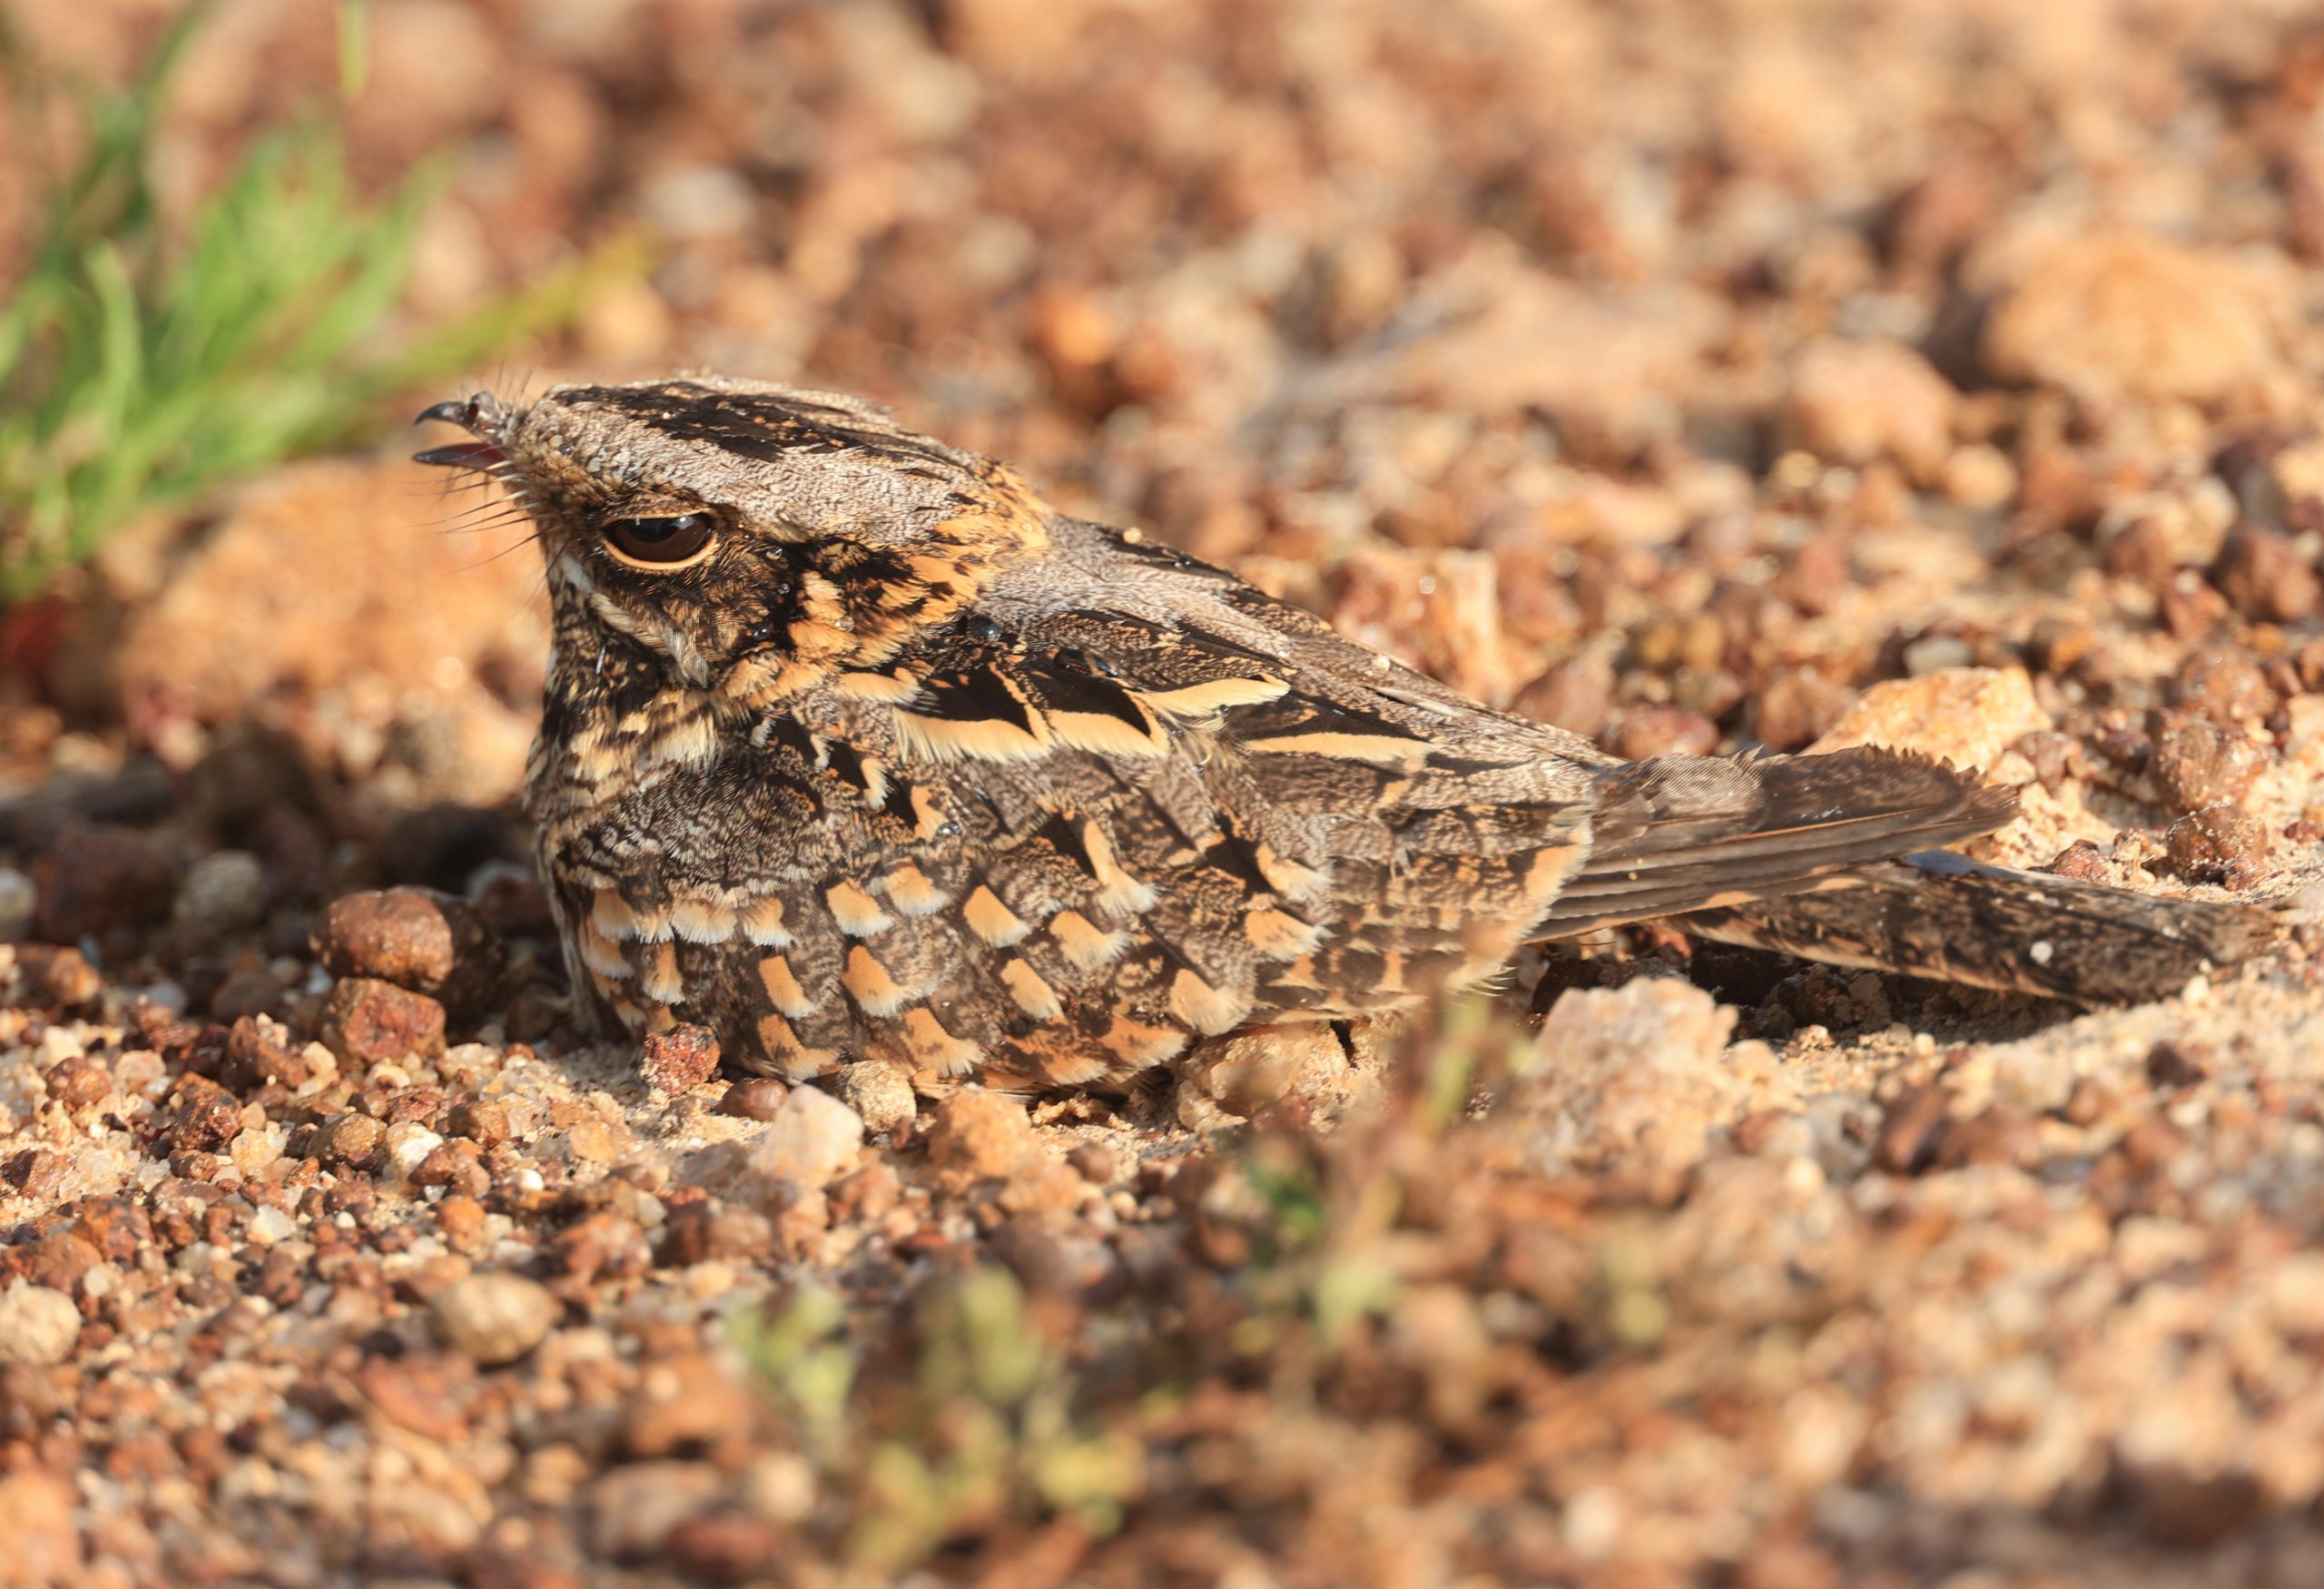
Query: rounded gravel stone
[
  {"x": 880, "y": 1092},
  {"x": 754, "y": 1098},
  {"x": 222, "y": 893},
  {"x": 495, "y": 1318},
  {"x": 38, "y": 1326}
]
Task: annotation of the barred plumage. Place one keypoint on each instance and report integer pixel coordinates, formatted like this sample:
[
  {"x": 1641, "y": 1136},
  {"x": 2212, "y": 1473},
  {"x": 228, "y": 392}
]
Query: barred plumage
[{"x": 853, "y": 747}]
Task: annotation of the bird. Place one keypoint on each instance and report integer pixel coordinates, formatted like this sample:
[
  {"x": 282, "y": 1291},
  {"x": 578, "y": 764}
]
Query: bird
[{"x": 853, "y": 747}]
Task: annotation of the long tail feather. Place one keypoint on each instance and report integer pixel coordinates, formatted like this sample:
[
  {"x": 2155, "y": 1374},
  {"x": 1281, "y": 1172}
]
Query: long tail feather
[{"x": 1939, "y": 915}]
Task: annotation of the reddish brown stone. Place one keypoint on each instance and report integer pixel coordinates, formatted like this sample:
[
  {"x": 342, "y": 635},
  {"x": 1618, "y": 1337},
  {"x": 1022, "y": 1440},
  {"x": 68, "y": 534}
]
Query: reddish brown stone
[
  {"x": 2217, "y": 844},
  {"x": 462, "y": 1221},
  {"x": 2263, "y": 576},
  {"x": 1797, "y": 707},
  {"x": 421, "y": 940},
  {"x": 1992, "y": 1136},
  {"x": 681, "y": 1058},
  {"x": 1095, "y": 1164},
  {"x": 208, "y": 1117},
  {"x": 605, "y": 1242},
  {"x": 1818, "y": 575},
  {"x": 453, "y": 1164},
  {"x": 2179, "y": 1064},
  {"x": 36, "y": 1172},
  {"x": 2227, "y": 687},
  {"x": 1910, "y": 1132},
  {"x": 368, "y": 1020},
  {"x": 1576, "y": 696},
  {"x": 260, "y": 1051},
  {"x": 2083, "y": 860},
  {"x": 78, "y": 1081},
  {"x": 754, "y": 1098},
  {"x": 2181, "y": 1505},
  {"x": 2197, "y": 764},
  {"x": 2190, "y": 607},
  {"x": 2144, "y": 550},
  {"x": 482, "y": 1121},
  {"x": 866, "y": 1194},
  {"x": 353, "y": 1139}
]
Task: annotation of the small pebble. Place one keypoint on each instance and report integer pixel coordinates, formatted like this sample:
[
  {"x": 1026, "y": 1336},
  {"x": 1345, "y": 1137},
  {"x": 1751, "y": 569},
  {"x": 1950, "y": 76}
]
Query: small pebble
[
  {"x": 596, "y": 1142},
  {"x": 271, "y": 1225},
  {"x": 1643, "y": 732},
  {"x": 2083, "y": 860},
  {"x": 482, "y": 1121},
  {"x": 878, "y": 1091},
  {"x": 43, "y": 1544},
  {"x": 37, "y": 1325},
  {"x": 976, "y": 1136},
  {"x": 754, "y": 1098},
  {"x": 2170, "y": 1063},
  {"x": 353, "y": 1139},
  {"x": 408, "y": 1145},
  {"x": 725, "y": 1547},
  {"x": 19, "y": 899},
  {"x": 162, "y": 995},
  {"x": 2217, "y": 844},
  {"x": 60, "y": 978},
  {"x": 812, "y": 1137},
  {"x": 2264, "y": 577},
  {"x": 224, "y": 892},
  {"x": 685, "y": 1400},
  {"x": 681, "y": 1058},
  {"x": 633, "y": 1509},
  {"x": 208, "y": 1118},
  {"x": 2199, "y": 764},
  {"x": 369, "y": 1020},
  {"x": 494, "y": 1317},
  {"x": 1095, "y": 1162},
  {"x": 252, "y": 1151}
]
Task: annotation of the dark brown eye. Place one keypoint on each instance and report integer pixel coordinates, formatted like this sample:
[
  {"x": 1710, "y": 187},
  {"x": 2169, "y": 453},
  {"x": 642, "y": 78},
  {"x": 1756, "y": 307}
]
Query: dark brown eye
[{"x": 661, "y": 543}]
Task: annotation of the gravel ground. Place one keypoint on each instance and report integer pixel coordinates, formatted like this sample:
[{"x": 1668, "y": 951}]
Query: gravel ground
[{"x": 1694, "y": 374}]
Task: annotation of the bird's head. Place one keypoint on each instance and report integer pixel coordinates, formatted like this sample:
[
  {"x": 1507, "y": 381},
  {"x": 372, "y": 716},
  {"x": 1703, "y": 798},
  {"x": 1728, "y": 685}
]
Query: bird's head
[{"x": 725, "y": 534}]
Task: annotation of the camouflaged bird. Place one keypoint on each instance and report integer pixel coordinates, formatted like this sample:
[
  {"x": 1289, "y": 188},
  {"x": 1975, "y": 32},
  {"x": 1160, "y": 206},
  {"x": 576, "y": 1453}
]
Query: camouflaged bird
[{"x": 853, "y": 747}]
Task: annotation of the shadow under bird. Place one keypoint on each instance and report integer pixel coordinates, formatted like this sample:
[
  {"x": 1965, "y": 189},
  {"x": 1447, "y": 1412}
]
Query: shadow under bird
[{"x": 853, "y": 747}]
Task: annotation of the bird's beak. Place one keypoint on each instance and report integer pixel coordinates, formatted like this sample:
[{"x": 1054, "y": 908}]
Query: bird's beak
[{"x": 480, "y": 416}]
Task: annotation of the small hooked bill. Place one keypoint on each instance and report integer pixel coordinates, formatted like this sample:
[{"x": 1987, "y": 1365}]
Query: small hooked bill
[{"x": 480, "y": 454}]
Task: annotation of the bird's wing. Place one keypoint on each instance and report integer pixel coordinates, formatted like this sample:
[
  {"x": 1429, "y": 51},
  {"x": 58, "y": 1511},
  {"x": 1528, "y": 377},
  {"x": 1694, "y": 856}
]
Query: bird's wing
[{"x": 1685, "y": 833}]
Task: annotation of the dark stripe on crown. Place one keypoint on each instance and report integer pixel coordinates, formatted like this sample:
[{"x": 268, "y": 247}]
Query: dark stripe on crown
[{"x": 757, "y": 425}]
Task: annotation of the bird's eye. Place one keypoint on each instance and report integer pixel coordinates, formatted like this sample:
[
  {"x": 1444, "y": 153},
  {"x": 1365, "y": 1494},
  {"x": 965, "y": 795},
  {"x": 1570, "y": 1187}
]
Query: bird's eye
[{"x": 661, "y": 543}]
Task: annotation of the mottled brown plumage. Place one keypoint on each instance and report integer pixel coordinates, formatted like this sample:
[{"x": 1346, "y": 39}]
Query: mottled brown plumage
[{"x": 855, "y": 748}]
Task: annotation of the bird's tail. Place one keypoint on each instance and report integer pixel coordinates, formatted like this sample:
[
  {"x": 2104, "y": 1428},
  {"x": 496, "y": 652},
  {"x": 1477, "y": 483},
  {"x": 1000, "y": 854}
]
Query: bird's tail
[{"x": 1939, "y": 915}]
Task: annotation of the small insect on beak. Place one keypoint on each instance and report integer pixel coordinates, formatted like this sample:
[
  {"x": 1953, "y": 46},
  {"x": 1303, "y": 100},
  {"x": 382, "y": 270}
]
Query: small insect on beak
[{"x": 477, "y": 415}]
